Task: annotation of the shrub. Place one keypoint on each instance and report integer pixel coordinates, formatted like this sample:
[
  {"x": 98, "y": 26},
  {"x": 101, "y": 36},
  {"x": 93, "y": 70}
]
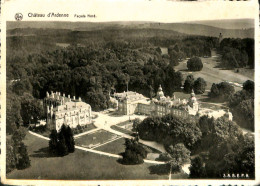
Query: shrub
[
  {"x": 199, "y": 86},
  {"x": 134, "y": 152},
  {"x": 194, "y": 64},
  {"x": 188, "y": 84},
  {"x": 223, "y": 91}
]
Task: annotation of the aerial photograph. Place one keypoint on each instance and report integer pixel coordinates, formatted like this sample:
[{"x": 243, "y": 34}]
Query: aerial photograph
[{"x": 130, "y": 100}]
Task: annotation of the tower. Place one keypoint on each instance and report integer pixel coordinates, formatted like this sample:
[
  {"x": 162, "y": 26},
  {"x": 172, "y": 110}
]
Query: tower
[
  {"x": 160, "y": 94},
  {"x": 220, "y": 37},
  {"x": 193, "y": 103}
]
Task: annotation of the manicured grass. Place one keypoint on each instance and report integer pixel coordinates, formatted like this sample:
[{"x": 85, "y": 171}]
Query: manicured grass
[
  {"x": 114, "y": 147},
  {"x": 47, "y": 132},
  {"x": 211, "y": 73},
  {"x": 117, "y": 147},
  {"x": 211, "y": 106},
  {"x": 98, "y": 137},
  {"x": 79, "y": 165},
  {"x": 122, "y": 130},
  {"x": 124, "y": 123}
]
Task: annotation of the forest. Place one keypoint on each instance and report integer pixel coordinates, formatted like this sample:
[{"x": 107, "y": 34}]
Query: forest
[
  {"x": 218, "y": 145},
  {"x": 35, "y": 64},
  {"x": 237, "y": 53}
]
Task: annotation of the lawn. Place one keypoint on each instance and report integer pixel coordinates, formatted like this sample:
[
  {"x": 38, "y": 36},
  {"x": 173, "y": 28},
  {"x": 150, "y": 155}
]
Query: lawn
[
  {"x": 79, "y": 165},
  {"x": 211, "y": 106},
  {"x": 117, "y": 147},
  {"x": 96, "y": 138},
  {"x": 212, "y": 74},
  {"x": 47, "y": 132},
  {"x": 114, "y": 147},
  {"x": 129, "y": 132},
  {"x": 124, "y": 123}
]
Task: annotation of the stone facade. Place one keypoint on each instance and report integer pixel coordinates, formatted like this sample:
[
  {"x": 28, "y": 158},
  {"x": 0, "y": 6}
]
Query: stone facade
[
  {"x": 134, "y": 103},
  {"x": 64, "y": 110}
]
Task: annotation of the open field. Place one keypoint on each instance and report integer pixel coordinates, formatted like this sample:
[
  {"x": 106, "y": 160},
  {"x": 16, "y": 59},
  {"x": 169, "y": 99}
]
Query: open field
[
  {"x": 211, "y": 74},
  {"x": 79, "y": 165},
  {"x": 96, "y": 138}
]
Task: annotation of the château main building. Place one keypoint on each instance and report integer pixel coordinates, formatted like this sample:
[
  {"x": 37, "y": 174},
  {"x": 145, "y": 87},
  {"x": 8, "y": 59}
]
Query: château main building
[
  {"x": 129, "y": 103},
  {"x": 64, "y": 110}
]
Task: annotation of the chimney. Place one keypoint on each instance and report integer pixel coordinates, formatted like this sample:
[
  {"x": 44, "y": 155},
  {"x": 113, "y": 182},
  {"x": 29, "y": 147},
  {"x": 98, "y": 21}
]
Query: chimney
[
  {"x": 79, "y": 98},
  {"x": 68, "y": 96},
  {"x": 63, "y": 95},
  {"x": 74, "y": 98}
]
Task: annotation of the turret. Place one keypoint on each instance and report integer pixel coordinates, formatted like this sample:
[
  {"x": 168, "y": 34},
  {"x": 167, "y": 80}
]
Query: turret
[
  {"x": 220, "y": 37},
  {"x": 160, "y": 94}
]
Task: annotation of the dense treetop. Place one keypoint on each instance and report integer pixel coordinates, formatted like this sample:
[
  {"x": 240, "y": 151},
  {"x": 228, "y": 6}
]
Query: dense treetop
[
  {"x": 90, "y": 69},
  {"x": 237, "y": 52}
]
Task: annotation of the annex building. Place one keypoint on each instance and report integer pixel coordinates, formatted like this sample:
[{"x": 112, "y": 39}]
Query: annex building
[
  {"x": 64, "y": 110},
  {"x": 129, "y": 103}
]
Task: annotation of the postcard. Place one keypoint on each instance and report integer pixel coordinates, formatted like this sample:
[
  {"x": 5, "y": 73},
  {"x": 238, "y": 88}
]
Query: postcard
[{"x": 129, "y": 92}]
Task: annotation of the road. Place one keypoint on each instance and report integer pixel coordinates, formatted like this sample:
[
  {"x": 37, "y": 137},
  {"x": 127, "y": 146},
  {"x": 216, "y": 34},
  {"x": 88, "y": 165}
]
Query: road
[
  {"x": 105, "y": 121},
  {"x": 96, "y": 151}
]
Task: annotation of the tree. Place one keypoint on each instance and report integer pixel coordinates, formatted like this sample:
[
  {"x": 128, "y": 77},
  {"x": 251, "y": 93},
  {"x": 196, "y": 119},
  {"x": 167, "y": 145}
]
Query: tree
[
  {"x": 62, "y": 148},
  {"x": 188, "y": 84},
  {"x": 31, "y": 110},
  {"x": 10, "y": 156},
  {"x": 242, "y": 105},
  {"x": 134, "y": 152},
  {"x": 53, "y": 143},
  {"x": 194, "y": 64},
  {"x": 170, "y": 130},
  {"x": 16, "y": 151},
  {"x": 13, "y": 116},
  {"x": 69, "y": 139},
  {"x": 199, "y": 86},
  {"x": 249, "y": 86},
  {"x": 223, "y": 91},
  {"x": 63, "y": 142},
  {"x": 196, "y": 169},
  {"x": 245, "y": 109},
  {"x": 136, "y": 123},
  {"x": 177, "y": 156},
  {"x": 23, "y": 160},
  {"x": 179, "y": 153}
]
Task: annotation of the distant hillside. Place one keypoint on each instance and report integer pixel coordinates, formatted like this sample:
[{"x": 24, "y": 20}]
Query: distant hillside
[
  {"x": 229, "y": 23},
  {"x": 105, "y": 33},
  {"x": 243, "y": 29},
  {"x": 205, "y": 30}
]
